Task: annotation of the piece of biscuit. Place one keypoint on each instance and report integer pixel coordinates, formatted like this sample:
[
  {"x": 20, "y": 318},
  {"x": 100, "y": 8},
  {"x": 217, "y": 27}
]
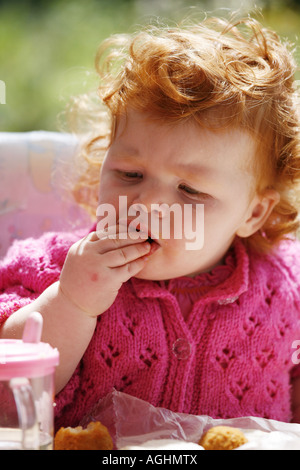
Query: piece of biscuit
[
  {"x": 222, "y": 438},
  {"x": 94, "y": 437}
]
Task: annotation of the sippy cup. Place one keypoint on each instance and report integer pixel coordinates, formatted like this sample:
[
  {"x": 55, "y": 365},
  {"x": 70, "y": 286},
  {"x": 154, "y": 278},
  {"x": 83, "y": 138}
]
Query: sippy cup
[{"x": 27, "y": 390}]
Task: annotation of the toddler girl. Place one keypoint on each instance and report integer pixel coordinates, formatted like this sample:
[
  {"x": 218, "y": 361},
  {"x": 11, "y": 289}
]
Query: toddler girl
[{"x": 202, "y": 116}]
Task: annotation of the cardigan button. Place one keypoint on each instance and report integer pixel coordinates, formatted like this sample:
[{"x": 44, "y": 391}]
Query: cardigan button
[
  {"x": 182, "y": 349},
  {"x": 230, "y": 300}
]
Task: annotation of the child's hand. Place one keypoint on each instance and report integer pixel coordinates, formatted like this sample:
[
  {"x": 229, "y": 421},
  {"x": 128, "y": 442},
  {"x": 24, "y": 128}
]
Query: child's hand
[{"x": 95, "y": 268}]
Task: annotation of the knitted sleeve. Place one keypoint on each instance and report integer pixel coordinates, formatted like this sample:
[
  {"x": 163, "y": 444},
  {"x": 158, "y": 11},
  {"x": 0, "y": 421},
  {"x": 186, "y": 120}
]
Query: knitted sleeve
[
  {"x": 290, "y": 259},
  {"x": 29, "y": 267},
  {"x": 290, "y": 254}
]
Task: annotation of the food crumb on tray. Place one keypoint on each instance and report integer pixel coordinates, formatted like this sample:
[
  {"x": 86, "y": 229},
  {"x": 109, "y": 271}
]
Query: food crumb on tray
[
  {"x": 222, "y": 438},
  {"x": 94, "y": 437}
]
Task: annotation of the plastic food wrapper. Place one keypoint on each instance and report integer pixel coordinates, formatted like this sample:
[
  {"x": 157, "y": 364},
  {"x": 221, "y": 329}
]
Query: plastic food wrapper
[{"x": 132, "y": 423}]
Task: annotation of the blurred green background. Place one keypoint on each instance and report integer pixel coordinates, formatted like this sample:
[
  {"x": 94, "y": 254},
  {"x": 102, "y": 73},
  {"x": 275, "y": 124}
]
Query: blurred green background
[{"x": 47, "y": 48}]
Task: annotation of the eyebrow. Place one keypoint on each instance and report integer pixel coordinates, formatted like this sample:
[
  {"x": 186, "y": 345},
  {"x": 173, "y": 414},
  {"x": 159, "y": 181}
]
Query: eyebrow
[
  {"x": 192, "y": 170},
  {"x": 189, "y": 170}
]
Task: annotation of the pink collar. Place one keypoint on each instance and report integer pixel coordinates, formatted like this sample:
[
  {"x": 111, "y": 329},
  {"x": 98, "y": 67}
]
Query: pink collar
[{"x": 227, "y": 282}]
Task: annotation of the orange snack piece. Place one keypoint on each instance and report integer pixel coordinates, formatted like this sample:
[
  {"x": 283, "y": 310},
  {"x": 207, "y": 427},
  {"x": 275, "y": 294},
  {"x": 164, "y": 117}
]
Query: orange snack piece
[
  {"x": 222, "y": 438},
  {"x": 94, "y": 437}
]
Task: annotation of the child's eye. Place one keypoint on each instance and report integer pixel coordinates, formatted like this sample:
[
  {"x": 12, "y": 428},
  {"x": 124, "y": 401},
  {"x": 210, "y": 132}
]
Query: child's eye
[
  {"x": 193, "y": 192},
  {"x": 131, "y": 174},
  {"x": 189, "y": 190}
]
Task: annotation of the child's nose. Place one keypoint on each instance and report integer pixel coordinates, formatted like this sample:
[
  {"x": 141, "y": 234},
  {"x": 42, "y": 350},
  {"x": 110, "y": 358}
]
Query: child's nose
[
  {"x": 159, "y": 210},
  {"x": 152, "y": 202}
]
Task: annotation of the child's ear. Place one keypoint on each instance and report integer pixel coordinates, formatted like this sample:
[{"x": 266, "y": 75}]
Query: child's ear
[{"x": 259, "y": 211}]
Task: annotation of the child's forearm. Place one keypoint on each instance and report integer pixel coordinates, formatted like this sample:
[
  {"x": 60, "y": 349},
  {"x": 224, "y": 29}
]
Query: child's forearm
[{"x": 65, "y": 326}]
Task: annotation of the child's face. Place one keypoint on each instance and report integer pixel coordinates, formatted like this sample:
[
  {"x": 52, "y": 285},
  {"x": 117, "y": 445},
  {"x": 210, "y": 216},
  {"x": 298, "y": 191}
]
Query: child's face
[{"x": 150, "y": 163}]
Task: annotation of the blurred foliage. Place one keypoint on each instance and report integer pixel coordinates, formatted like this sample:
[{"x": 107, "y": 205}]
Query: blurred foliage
[{"x": 47, "y": 48}]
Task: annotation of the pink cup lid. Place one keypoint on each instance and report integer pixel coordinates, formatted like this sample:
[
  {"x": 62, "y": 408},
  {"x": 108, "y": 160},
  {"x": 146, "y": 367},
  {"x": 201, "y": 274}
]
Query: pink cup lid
[{"x": 21, "y": 359}]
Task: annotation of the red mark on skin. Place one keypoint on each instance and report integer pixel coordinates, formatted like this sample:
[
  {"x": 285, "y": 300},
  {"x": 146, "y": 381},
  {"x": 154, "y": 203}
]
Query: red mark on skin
[{"x": 94, "y": 277}]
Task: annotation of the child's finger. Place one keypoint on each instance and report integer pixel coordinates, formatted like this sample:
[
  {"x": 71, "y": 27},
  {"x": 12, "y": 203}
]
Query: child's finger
[
  {"x": 126, "y": 254},
  {"x": 108, "y": 244},
  {"x": 129, "y": 270},
  {"x": 113, "y": 231},
  {"x": 121, "y": 231}
]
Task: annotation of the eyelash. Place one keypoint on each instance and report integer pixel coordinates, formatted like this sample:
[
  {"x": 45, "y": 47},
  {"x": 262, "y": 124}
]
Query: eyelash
[
  {"x": 184, "y": 187},
  {"x": 131, "y": 175},
  {"x": 189, "y": 190},
  {"x": 193, "y": 193}
]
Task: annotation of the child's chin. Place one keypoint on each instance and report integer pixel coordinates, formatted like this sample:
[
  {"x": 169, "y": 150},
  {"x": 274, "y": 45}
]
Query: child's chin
[
  {"x": 147, "y": 274},
  {"x": 150, "y": 273}
]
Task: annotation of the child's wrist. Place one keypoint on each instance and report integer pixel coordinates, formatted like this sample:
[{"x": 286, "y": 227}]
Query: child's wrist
[{"x": 70, "y": 304}]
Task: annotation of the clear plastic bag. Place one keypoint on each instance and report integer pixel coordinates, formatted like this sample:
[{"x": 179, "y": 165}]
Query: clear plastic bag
[{"x": 133, "y": 422}]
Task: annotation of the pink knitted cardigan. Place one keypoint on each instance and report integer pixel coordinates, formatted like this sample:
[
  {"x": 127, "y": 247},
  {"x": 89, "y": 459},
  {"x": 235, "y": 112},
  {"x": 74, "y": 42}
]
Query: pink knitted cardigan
[{"x": 229, "y": 355}]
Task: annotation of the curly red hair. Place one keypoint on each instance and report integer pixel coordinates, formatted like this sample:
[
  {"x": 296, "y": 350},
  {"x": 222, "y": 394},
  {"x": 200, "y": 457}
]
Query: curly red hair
[{"x": 219, "y": 73}]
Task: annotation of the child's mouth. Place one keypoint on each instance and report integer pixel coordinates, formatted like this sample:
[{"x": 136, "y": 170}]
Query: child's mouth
[
  {"x": 154, "y": 244},
  {"x": 151, "y": 238}
]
